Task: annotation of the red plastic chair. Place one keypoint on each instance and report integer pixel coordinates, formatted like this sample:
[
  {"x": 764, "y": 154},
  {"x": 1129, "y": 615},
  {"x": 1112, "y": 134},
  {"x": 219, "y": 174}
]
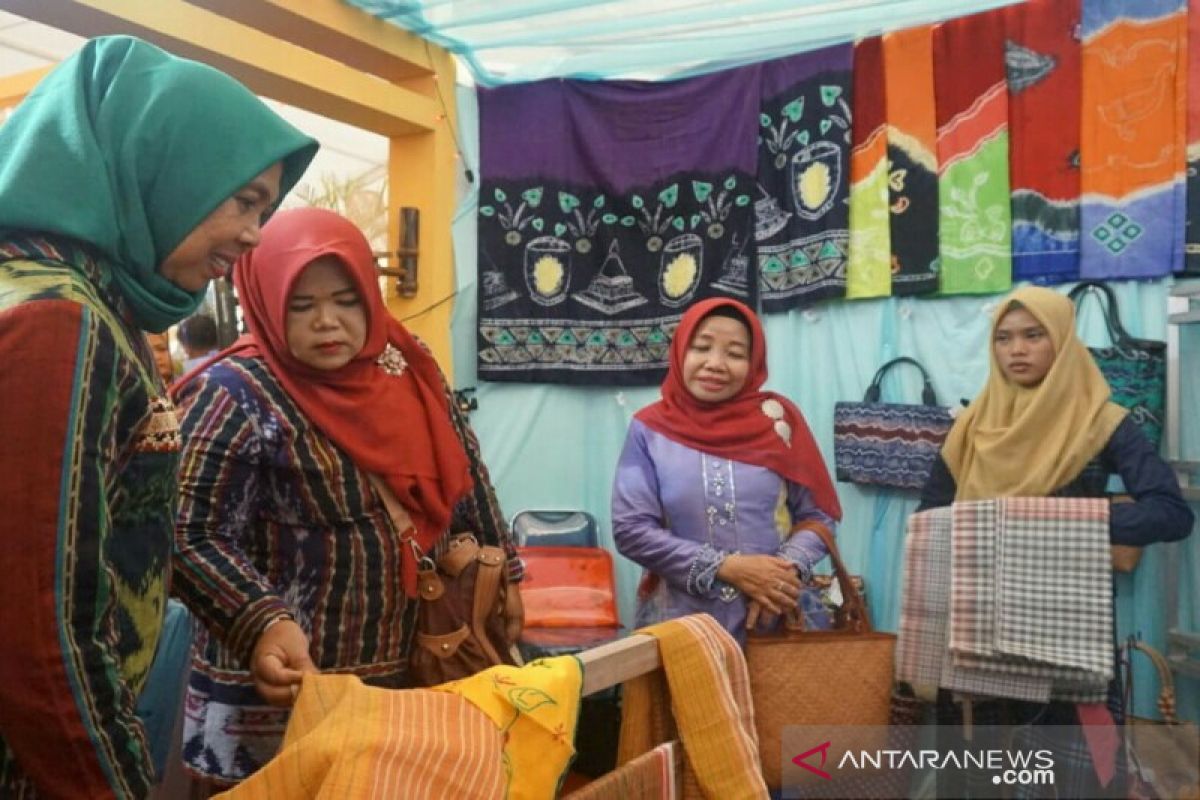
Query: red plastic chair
[{"x": 570, "y": 599}]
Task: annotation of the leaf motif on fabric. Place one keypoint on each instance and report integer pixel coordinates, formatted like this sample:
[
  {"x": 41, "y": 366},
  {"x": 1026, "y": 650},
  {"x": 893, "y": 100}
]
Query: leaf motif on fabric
[
  {"x": 528, "y": 698},
  {"x": 567, "y": 202},
  {"x": 795, "y": 109}
]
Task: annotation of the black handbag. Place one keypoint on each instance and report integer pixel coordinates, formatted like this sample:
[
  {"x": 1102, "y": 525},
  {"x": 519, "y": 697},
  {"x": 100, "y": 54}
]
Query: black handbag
[
  {"x": 889, "y": 444},
  {"x": 1136, "y": 369}
]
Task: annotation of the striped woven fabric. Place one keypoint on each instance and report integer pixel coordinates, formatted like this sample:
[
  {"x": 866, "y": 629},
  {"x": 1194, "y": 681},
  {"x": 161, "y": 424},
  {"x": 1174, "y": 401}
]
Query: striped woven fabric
[
  {"x": 710, "y": 698},
  {"x": 650, "y": 776},
  {"x": 505, "y": 732},
  {"x": 349, "y": 741}
]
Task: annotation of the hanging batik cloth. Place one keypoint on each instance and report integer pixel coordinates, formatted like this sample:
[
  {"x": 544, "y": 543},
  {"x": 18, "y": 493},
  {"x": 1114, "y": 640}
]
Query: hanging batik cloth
[
  {"x": 802, "y": 217},
  {"x": 1192, "y": 261},
  {"x": 1133, "y": 144},
  {"x": 972, "y": 149},
  {"x": 869, "y": 273},
  {"x": 1043, "y": 62},
  {"x": 912, "y": 150},
  {"x": 605, "y": 209}
]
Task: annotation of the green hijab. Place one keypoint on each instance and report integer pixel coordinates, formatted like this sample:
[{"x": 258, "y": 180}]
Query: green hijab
[{"x": 128, "y": 148}]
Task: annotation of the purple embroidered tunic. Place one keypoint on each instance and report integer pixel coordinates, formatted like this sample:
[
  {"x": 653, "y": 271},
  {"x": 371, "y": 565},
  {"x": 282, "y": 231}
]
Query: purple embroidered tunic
[{"x": 678, "y": 512}]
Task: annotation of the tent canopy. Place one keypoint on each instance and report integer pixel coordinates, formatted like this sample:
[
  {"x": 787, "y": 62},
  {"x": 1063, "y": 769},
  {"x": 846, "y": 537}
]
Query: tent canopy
[{"x": 525, "y": 40}]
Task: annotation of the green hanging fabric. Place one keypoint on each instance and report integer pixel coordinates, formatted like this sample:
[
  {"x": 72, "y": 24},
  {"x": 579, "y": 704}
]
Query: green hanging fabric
[
  {"x": 128, "y": 148},
  {"x": 975, "y": 224}
]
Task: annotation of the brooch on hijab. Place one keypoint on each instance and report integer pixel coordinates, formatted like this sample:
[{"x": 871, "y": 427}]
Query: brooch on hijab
[
  {"x": 391, "y": 361},
  {"x": 774, "y": 410}
]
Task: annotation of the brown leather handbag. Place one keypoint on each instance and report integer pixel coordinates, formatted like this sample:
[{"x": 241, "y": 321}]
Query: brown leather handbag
[{"x": 460, "y": 620}]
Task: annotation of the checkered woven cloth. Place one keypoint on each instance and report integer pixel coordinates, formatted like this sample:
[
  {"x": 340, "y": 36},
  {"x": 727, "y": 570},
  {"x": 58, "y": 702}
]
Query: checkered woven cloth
[
  {"x": 1036, "y": 600},
  {"x": 922, "y": 654},
  {"x": 1055, "y": 582},
  {"x": 1009, "y": 598}
]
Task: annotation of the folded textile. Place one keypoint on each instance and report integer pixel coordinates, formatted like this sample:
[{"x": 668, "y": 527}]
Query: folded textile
[
  {"x": 709, "y": 696},
  {"x": 650, "y": 776},
  {"x": 1009, "y": 598},
  {"x": 505, "y": 732}
]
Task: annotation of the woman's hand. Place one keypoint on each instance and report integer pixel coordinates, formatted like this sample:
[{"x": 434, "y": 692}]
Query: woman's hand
[
  {"x": 514, "y": 613},
  {"x": 279, "y": 662},
  {"x": 755, "y": 614},
  {"x": 769, "y": 581}
]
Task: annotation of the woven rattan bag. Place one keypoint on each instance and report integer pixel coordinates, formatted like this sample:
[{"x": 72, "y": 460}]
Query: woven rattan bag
[{"x": 836, "y": 677}]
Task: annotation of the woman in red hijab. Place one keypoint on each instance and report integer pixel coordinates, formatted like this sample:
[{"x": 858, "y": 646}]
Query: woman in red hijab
[
  {"x": 720, "y": 490},
  {"x": 297, "y": 439}
]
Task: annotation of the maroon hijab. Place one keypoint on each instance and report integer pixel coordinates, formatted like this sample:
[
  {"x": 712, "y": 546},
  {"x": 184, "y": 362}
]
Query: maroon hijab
[
  {"x": 397, "y": 427},
  {"x": 745, "y": 427}
]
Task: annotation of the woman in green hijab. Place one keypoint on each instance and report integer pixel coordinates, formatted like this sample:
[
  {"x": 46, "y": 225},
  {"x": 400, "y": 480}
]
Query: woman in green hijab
[{"x": 129, "y": 178}]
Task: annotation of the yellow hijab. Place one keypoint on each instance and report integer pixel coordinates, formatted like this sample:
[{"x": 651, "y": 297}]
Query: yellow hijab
[{"x": 1028, "y": 442}]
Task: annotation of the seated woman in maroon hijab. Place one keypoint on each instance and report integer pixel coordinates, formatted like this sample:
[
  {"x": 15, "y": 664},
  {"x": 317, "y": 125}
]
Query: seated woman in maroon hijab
[
  {"x": 293, "y": 439},
  {"x": 720, "y": 489}
]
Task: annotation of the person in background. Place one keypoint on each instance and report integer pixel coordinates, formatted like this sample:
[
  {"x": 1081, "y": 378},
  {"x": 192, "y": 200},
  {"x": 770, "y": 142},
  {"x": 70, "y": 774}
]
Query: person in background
[
  {"x": 720, "y": 489},
  {"x": 160, "y": 348},
  {"x": 198, "y": 336},
  {"x": 129, "y": 178},
  {"x": 1045, "y": 426},
  {"x": 297, "y": 440}
]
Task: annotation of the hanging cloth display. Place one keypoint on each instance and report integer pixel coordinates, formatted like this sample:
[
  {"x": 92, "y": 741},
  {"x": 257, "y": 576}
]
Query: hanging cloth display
[
  {"x": 1043, "y": 62},
  {"x": 912, "y": 152},
  {"x": 802, "y": 218},
  {"x": 972, "y": 149},
  {"x": 1191, "y": 263},
  {"x": 606, "y": 208},
  {"x": 1133, "y": 138},
  {"x": 869, "y": 273}
]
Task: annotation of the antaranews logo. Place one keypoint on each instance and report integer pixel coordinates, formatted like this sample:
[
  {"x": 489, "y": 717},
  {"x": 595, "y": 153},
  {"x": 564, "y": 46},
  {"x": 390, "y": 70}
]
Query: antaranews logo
[
  {"x": 847, "y": 761},
  {"x": 802, "y": 760}
]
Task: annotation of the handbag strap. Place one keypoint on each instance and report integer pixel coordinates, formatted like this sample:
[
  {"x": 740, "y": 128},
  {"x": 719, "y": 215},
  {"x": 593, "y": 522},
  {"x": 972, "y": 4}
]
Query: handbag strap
[
  {"x": 1112, "y": 312},
  {"x": 487, "y": 585},
  {"x": 396, "y": 513},
  {"x": 853, "y": 610},
  {"x": 874, "y": 391},
  {"x": 1166, "y": 693}
]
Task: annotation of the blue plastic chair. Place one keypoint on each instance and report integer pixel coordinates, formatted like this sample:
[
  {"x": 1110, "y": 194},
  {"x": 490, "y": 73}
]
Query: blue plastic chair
[{"x": 542, "y": 528}]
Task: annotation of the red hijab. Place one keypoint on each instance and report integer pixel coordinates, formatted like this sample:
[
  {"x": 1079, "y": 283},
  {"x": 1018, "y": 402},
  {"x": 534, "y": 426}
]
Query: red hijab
[
  {"x": 740, "y": 428},
  {"x": 396, "y": 427}
]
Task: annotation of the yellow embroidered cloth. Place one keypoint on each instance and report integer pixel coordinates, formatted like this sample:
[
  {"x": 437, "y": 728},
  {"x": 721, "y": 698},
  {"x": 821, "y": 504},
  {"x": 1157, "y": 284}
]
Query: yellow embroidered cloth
[{"x": 535, "y": 707}]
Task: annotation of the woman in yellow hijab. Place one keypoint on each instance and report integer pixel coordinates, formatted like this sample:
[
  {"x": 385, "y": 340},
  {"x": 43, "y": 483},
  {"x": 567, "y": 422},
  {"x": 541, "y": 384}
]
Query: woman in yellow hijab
[{"x": 1044, "y": 426}]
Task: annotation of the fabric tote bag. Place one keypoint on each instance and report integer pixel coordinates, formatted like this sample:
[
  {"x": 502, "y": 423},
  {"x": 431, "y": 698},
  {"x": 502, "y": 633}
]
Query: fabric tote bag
[
  {"x": 1136, "y": 369},
  {"x": 889, "y": 444},
  {"x": 841, "y": 676}
]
